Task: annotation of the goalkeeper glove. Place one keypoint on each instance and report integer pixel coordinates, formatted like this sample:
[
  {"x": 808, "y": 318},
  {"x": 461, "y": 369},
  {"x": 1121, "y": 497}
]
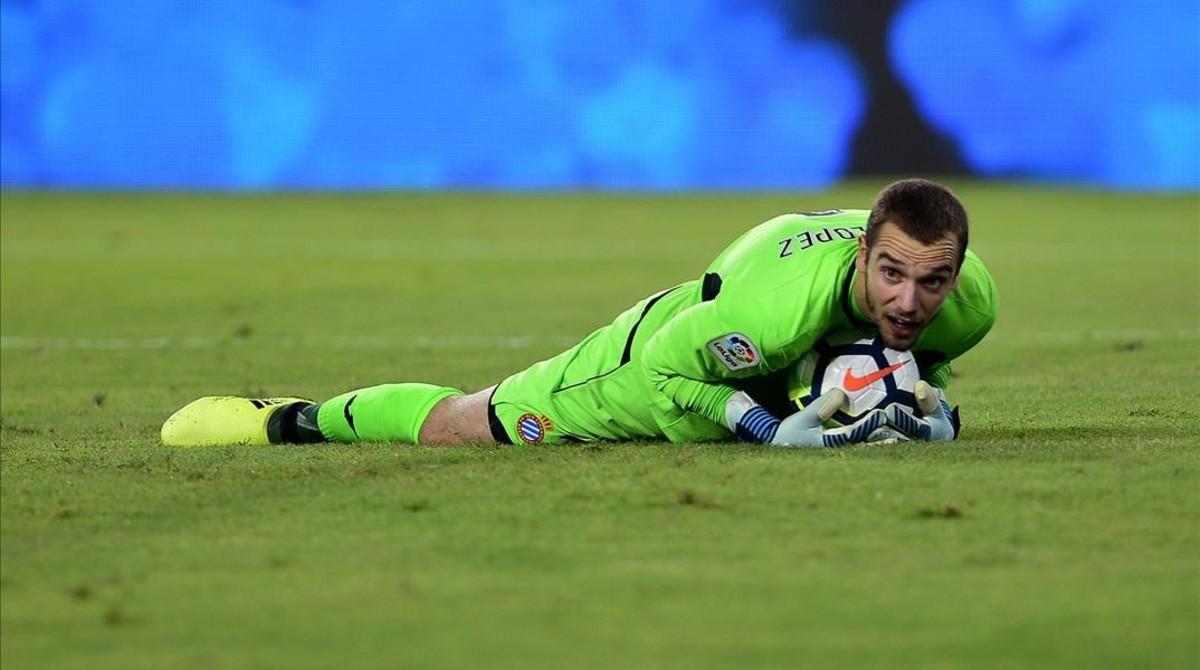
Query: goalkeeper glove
[
  {"x": 941, "y": 424},
  {"x": 750, "y": 422}
]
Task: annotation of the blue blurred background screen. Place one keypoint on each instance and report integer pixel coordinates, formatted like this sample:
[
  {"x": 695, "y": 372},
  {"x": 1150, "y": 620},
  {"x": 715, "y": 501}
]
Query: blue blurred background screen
[{"x": 629, "y": 94}]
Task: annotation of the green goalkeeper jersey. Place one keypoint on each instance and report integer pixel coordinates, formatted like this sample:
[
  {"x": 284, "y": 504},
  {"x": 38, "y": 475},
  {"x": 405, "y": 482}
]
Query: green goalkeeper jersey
[
  {"x": 667, "y": 366},
  {"x": 763, "y": 303}
]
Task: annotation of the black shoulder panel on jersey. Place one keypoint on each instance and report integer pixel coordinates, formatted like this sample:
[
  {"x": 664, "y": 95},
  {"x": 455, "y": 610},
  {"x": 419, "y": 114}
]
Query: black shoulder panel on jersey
[{"x": 711, "y": 286}]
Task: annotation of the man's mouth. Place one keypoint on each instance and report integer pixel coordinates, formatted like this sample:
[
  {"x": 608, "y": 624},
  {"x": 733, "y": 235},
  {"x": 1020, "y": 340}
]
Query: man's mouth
[{"x": 903, "y": 328}]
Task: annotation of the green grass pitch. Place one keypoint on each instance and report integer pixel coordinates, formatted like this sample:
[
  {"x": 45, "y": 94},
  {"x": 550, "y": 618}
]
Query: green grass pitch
[{"x": 1062, "y": 530}]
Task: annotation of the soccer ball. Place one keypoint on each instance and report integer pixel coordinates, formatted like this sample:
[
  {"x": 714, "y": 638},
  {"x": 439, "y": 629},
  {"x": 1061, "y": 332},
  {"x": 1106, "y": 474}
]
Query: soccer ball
[{"x": 872, "y": 375}]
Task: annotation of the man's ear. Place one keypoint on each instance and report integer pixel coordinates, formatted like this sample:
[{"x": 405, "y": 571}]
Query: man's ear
[{"x": 860, "y": 261}]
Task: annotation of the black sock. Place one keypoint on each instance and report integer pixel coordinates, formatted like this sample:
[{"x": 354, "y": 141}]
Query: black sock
[
  {"x": 295, "y": 424},
  {"x": 307, "y": 431}
]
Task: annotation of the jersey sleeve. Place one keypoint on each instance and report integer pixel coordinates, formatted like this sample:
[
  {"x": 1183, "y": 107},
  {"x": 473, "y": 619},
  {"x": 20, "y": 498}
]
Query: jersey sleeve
[
  {"x": 938, "y": 375},
  {"x": 676, "y": 362},
  {"x": 742, "y": 333}
]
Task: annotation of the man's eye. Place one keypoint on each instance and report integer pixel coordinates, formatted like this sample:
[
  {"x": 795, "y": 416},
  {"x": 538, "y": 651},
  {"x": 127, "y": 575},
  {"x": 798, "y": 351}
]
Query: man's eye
[
  {"x": 890, "y": 274},
  {"x": 934, "y": 284}
]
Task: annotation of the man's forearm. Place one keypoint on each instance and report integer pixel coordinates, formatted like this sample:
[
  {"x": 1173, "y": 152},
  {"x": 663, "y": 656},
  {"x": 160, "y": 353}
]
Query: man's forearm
[{"x": 703, "y": 398}]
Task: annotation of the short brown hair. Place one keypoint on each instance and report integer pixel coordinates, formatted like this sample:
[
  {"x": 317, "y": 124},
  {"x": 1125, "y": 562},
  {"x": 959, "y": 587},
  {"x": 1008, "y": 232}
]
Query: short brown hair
[{"x": 925, "y": 211}]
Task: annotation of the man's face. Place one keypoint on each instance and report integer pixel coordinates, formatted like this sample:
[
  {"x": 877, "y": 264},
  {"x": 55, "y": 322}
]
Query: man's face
[{"x": 905, "y": 282}]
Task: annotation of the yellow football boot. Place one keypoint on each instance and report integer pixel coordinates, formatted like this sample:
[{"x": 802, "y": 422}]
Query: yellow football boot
[{"x": 225, "y": 420}]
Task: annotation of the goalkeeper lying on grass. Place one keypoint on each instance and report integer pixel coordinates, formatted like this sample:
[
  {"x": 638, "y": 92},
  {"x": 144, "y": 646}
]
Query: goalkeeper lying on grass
[{"x": 699, "y": 361}]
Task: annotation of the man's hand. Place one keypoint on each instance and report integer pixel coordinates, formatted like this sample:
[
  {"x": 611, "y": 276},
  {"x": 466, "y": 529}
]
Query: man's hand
[
  {"x": 802, "y": 429},
  {"x": 940, "y": 423}
]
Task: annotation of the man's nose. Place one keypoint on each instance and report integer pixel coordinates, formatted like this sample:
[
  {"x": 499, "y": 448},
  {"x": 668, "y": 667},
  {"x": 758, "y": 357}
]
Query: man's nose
[{"x": 906, "y": 300}]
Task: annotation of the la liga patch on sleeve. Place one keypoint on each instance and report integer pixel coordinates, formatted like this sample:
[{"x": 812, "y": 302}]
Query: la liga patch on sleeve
[{"x": 735, "y": 351}]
